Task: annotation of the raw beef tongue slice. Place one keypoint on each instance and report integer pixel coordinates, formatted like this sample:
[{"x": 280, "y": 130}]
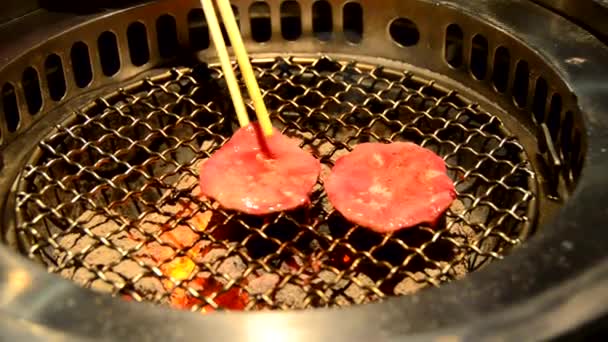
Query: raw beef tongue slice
[
  {"x": 258, "y": 175},
  {"x": 387, "y": 187}
]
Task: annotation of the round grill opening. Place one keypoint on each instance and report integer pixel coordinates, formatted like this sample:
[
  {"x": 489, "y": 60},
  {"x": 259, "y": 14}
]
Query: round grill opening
[{"x": 110, "y": 198}]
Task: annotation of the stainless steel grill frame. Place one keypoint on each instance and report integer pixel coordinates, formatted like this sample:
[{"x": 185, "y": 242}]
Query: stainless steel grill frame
[{"x": 566, "y": 145}]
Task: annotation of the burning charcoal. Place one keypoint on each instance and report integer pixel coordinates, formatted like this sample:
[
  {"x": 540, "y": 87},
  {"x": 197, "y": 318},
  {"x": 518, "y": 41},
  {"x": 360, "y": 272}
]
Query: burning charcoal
[
  {"x": 68, "y": 273},
  {"x": 113, "y": 282},
  {"x": 433, "y": 272},
  {"x": 188, "y": 181},
  {"x": 102, "y": 256},
  {"x": 292, "y": 265},
  {"x": 75, "y": 243},
  {"x": 183, "y": 300},
  {"x": 128, "y": 269},
  {"x": 185, "y": 182},
  {"x": 358, "y": 293},
  {"x": 149, "y": 288},
  {"x": 381, "y": 129},
  {"x": 196, "y": 283},
  {"x": 299, "y": 135},
  {"x": 458, "y": 207},
  {"x": 201, "y": 221},
  {"x": 84, "y": 243},
  {"x": 179, "y": 268},
  {"x": 327, "y": 294},
  {"x": 90, "y": 219},
  {"x": 480, "y": 214},
  {"x": 153, "y": 223},
  {"x": 409, "y": 285},
  {"x": 205, "y": 284},
  {"x": 124, "y": 241},
  {"x": 488, "y": 244},
  {"x": 101, "y": 226},
  {"x": 264, "y": 283},
  {"x": 458, "y": 271},
  {"x": 463, "y": 232},
  {"x": 342, "y": 301},
  {"x": 324, "y": 148},
  {"x": 102, "y": 286},
  {"x": 198, "y": 251},
  {"x": 180, "y": 237},
  {"x": 292, "y": 296},
  {"x": 154, "y": 254},
  {"x": 69, "y": 240},
  {"x": 82, "y": 276},
  {"x": 233, "y": 299},
  {"x": 172, "y": 211},
  {"x": 207, "y": 146},
  {"x": 233, "y": 267},
  {"x": 213, "y": 255},
  {"x": 330, "y": 278},
  {"x": 459, "y": 229}
]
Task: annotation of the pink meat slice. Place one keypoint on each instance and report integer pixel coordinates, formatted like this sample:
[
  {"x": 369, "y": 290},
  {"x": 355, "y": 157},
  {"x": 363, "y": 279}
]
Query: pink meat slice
[
  {"x": 258, "y": 175},
  {"x": 387, "y": 187}
]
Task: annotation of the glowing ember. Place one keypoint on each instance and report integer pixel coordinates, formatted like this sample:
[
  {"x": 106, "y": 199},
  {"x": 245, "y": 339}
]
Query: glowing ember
[
  {"x": 200, "y": 221},
  {"x": 179, "y": 268},
  {"x": 180, "y": 299},
  {"x": 180, "y": 237},
  {"x": 233, "y": 299},
  {"x": 199, "y": 250}
]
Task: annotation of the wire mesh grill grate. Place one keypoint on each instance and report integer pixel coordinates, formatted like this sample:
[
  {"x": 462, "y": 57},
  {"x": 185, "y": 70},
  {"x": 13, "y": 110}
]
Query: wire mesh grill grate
[{"x": 110, "y": 199}]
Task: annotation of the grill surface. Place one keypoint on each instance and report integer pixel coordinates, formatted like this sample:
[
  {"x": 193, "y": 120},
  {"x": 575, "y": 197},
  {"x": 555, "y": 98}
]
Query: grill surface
[{"x": 110, "y": 198}]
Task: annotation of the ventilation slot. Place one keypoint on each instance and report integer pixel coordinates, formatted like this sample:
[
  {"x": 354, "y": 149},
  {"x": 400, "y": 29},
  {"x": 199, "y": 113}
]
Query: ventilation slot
[
  {"x": 404, "y": 32},
  {"x": 500, "y": 72},
  {"x": 31, "y": 90},
  {"x": 198, "y": 32},
  {"x": 575, "y": 156},
  {"x": 55, "y": 78},
  {"x": 566, "y": 138},
  {"x": 9, "y": 105},
  {"x": 453, "y": 46},
  {"x": 108, "y": 53},
  {"x": 554, "y": 117},
  {"x": 540, "y": 100},
  {"x": 479, "y": 57},
  {"x": 322, "y": 20},
  {"x": 291, "y": 20},
  {"x": 259, "y": 14},
  {"x": 352, "y": 22},
  {"x": 520, "y": 85},
  {"x": 166, "y": 36},
  {"x": 137, "y": 37},
  {"x": 81, "y": 64}
]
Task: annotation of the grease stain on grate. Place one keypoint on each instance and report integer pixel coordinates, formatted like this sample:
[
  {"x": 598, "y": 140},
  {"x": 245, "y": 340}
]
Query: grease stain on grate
[{"x": 111, "y": 200}]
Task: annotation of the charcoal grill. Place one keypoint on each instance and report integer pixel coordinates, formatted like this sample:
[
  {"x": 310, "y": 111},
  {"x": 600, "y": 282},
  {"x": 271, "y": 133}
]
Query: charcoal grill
[{"x": 106, "y": 124}]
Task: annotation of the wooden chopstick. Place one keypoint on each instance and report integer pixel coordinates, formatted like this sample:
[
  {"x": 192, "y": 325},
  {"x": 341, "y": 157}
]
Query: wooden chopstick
[
  {"x": 247, "y": 71},
  {"x": 222, "y": 52}
]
